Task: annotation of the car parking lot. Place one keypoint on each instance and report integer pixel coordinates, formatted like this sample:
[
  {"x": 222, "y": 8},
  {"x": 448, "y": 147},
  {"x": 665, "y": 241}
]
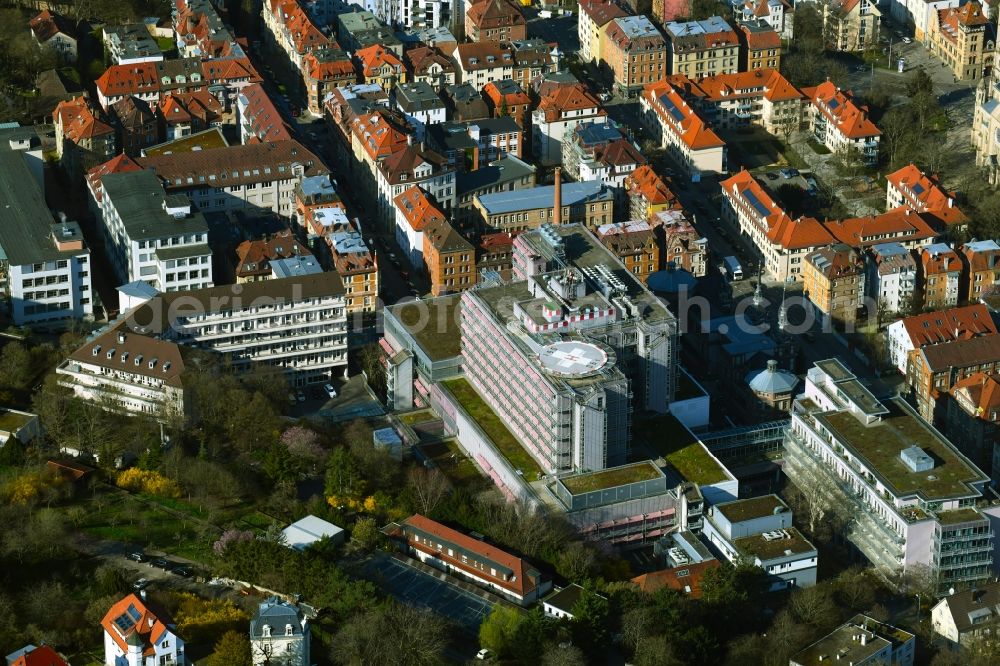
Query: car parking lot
[{"x": 421, "y": 590}]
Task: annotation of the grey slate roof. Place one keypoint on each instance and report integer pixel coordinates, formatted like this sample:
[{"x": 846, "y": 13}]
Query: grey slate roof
[
  {"x": 417, "y": 96},
  {"x": 772, "y": 380},
  {"x": 497, "y": 173},
  {"x": 277, "y": 614},
  {"x": 544, "y": 197},
  {"x": 138, "y": 197}
]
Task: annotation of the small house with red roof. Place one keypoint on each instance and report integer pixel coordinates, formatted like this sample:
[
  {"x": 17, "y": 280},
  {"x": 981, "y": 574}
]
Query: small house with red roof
[
  {"x": 470, "y": 558},
  {"x": 377, "y": 64},
  {"x": 55, "y": 31},
  {"x": 137, "y": 635},
  {"x": 840, "y": 123},
  {"x": 84, "y": 138},
  {"x": 30, "y": 655}
]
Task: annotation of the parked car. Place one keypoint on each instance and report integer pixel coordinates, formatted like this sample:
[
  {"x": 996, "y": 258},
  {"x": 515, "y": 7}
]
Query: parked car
[
  {"x": 907, "y": 40},
  {"x": 140, "y": 584},
  {"x": 330, "y": 391},
  {"x": 789, "y": 173},
  {"x": 137, "y": 556},
  {"x": 182, "y": 571},
  {"x": 300, "y": 396},
  {"x": 771, "y": 175},
  {"x": 484, "y": 654},
  {"x": 161, "y": 563}
]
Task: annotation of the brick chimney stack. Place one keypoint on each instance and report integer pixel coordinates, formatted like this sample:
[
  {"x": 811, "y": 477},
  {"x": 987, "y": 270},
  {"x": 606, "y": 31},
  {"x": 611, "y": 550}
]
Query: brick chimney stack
[{"x": 557, "y": 198}]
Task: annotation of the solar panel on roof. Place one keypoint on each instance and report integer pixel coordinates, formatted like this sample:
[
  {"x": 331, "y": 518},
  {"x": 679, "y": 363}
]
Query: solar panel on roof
[
  {"x": 918, "y": 189},
  {"x": 133, "y": 612},
  {"x": 756, "y": 203},
  {"x": 671, "y": 108},
  {"x": 834, "y": 103}
]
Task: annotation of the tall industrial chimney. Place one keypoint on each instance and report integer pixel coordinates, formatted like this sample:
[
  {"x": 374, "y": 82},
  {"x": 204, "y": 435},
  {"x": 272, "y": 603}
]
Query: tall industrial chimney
[{"x": 557, "y": 198}]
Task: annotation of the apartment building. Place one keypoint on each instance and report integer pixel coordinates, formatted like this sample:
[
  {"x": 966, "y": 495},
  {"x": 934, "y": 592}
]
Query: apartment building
[
  {"x": 151, "y": 81},
  {"x": 357, "y": 266},
  {"x": 891, "y": 278},
  {"x": 837, "y": 122},
  {"x": 135, "y": 125},
  {"x": 760, "y": 46},
  {"x": 466, "y": 103},
  {"x": 862, "y": 641},
  {"x": 981, "y": 262},
  {"x": 593, "y": 17},
  {"x": 414, "y": 212},
  {"x": 379, "y": 65},
  {"x": 851, "y": 25},
  {"x": 560, "y": 110},
  {"x": 986, "y": 127},
  {"x": 932, "y": 370},
  {"x": 579, "y": 367},
  {"x": 259, "y": 120},
  {"x": 470, "y": 559},
  {"x": 450, "y": 259},
  {"x": 129, "y": 373},
  {"x": 908, "y": 496},
  {"x": 495, "y": 20},
  {"x": 259, "y": 259},
  {"x": 413, "y": 165},
  {"x": 600, "y": 151},
  {"x": 152, "y": 236},
  {"x": 761, "y": 97},
  {"x": 833, "y": 280},
  {"x": 648, "y": 194},
  {"x": 703, "y": 48},
  {"x": 508, "y": 98},
  {"x": 922, "y": 192},
  {"x": 634, "y": 243},
  {"x": 534, "y": 58},
  {"x": 54, "y": 31},
  {"x": 482, "y": 62},
  {"x": 635, "y": 52},
  {"x": 325, "y": 69},
  {"x": 83, "y": 137},
  {"x": 779, "y": 14},
  {"x": 413, "y": 14},
  {"x": 760, "y": 530},
  {"x": 504, "y": 175},
  {"x": 129, "y": 43},
  {"x": 683, "y": 247},
  {"x": 921, "y": 14},
  {"x": 495, "y": 256},
  {"x": 472, "y": 145},
  {"x": 199, "y": 31},
  {"x": 590, "y": 203},
  {"x": 181, "y": 114},
  {"x": 931, "y": 328},
  {"x": 972, "y": 420},
  {"x": 678, "y": 128},
  {"x": 260, "y": 176},
  {"x": 964, "y": 39},
  {"x": 45, "y": 265},
  {"x": 940, "y": 276},
  {"x": 430, "y": 65},
  {"x": 421, "y": 105}
]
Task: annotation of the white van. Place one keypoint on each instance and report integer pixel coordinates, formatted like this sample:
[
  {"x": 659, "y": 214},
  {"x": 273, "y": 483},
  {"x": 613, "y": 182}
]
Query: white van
[{"x": 731, "y": 266}]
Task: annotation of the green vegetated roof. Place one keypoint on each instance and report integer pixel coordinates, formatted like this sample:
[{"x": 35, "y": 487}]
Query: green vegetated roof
[
  {"x": 958, "y": 516},
  {"x": 754, "y": 507},
  {"x": 759, "y": 546},
  {"x": 611, "y": 478},
  {"x": 493, "y": 426},
  {"x": 881, "y": 443},
  {"x": 670, "y": 439},
  {"x": 12, "y": 421},
  {"x": 434, "y": 324}
]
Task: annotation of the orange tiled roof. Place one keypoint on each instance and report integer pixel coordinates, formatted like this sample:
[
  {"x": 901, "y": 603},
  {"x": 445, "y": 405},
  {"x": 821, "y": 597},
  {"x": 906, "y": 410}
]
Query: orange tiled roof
[
  {"x": 132, "y": 617},
  {"x": 981, "y": 259},
  {"x": 938, "y": 259},
  {"x": 761, "y": 39},
  {"x": 601, "y": 12},
  {"x": 838, "y": 107},
  {"x": 690, "y": 128},
  {"x": 982, "y": 392},
  {"x": 372, "y": 58},
  {"x": 262, "y": 117},
  {"x": 420, "y": 59},
  {"x": 689, "y": 583},
  {"x": 379, "y": 136},
  {"x": 899, "y": 224},
  {"x": 79, "y": 121},
  {"x": 923, "y": 193},
  {"x": 255, "y": 255},
  {"x": 568, "y": 98},
  {"x": 962, "y": 323},
  {"x": 183, "y": 107},
  {"x": 47, "y": 25},
  {"x": 339, "y": 69},
  {"x": 779, "y": 228},
  {"x": 729, "y": 86},
  {"x": 417, "y": 209},
  {"x": 954, "y": 21},
  {"x": 646, "y": 183},
  {"x": 119, "y": 164}
]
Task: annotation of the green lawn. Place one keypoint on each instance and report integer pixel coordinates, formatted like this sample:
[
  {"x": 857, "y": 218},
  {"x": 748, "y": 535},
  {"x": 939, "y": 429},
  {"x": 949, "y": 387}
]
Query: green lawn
[
  {"x": 413, "y": 418},
  {"x": 818, "y": 147},
  {"x": 610, "y": 478},
  {"x": 494, "y": 428},
  {"x": 452, "y": 462}
]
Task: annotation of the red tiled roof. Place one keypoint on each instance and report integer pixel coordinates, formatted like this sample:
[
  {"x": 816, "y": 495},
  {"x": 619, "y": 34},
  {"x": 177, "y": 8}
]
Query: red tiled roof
[
  {"x": 761, "y": 39},
  {"x": 139, "y": 620},
  {"x": 839, "y": 108},
  {"x": 379, "y": 136},
  {"x": 730, "y": 86},
  {"x": 495, "y": 14},
  {"x": 420, "y": 59},
  {"x": 40, "y": 656},
  {"x": 955, "y": 20},
  {"x": 940, "y": 259},
  {"x": 374, "y": 57},
  {"x": 676, "y": 578},
  {"x": 476, "y": 55},
  {"x": 118, "y": 164},
  {"x": 79, "y": 121},
  {"x": 47, "y": 25},
  {"x": 255, "y": 255},
  {"x": 601, "y": 12},
  {"x": 899, "y": 224},
  {"x": 183, "y": 107},
  {"x": 417, "y": 209},
  {"x": 263, "y": 118},
  {"x": 329, "y": 69},
  {"x": 655, "y": 190},
  {"x": 946, "y": 325},
  {"x": 568, "y": 98},
  {"x": 780, "y": 229},
  {"x": 982, "y": 392},
  {"x": 923, "y": 192},
  {"x": 691, "y": 129},
  {"x": 251, "y": 163}
]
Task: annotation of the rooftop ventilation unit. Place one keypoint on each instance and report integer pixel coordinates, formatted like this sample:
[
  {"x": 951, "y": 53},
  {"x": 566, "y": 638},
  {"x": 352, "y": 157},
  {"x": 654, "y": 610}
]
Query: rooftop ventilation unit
[
  {"x": 916, "y": 459},
  {"x": 552, "y": 239}
]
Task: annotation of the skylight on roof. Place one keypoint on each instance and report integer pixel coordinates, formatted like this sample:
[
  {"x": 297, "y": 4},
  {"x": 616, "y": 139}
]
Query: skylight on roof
[
  {"x": 834, "y": 103},
  {"x": 918, "y": 189}
]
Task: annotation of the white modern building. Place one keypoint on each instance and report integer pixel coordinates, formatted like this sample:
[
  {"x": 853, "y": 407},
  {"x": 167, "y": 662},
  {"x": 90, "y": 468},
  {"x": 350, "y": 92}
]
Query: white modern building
[
  {"x": 279, "y": 634},
  {"x": 892, "y": 277},
  {"x": 44, "y": 264},
  {"x": 421, "y": 105},
  {"x": 907, "y": 499},
  {"x": 556, "y": 115},
  {"x": 152, "y": 236},
  {"x": 861, "y": 641},
  {"x": 414, "y": 14},
  {"x": 760, "y": 530}
]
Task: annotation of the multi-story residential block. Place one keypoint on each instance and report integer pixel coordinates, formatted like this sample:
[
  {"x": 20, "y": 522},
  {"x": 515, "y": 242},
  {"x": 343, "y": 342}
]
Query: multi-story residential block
[
  {"x": 279, "y": 633},
  {"x": 421, "y": 105},
  {"x": 504, "y": 175},
  {"x": 449, "y": 257},
  {"x": 965, "y": 40},
  {"x": 259, "y": 119},
  {"x": 967, "y": 617},
  {"x": 495, "y": 20},
  {"x": 851, "y": 25},
  {"x": 703, "y": 48},
  {"x": 891, "y": 278},
  {"x": 152, "y": 236},
  {"x": 181, "y": 114},
  {"x": 83, "y": 138},
  {"x": 324, "y": 69},
  {"x": 648, "y": 194},
  {"x": 779, "y": 14},
  {"x": 940, "y": 276},
  {"x": 474, "y": 560},
  {"x": 495, "y": 256},
  {"x": 931, "y": 328},
  {"x": 761, "y": 97},
  {"x": 151, "y": 81},
  {"x": 130, "y": 43},
  {"x": 679, "y": 129},
  {"x": 862, "y": 641},
  {"x": 557, "y": 113},
  {"x": 466, "y": 103},
  {"x": 136, "y": 125},
  {"x": 199, "y": 31},
  {"x": 634, "y": 243},
  {"x": 972, "y": 421},
  {"x": 55, "y": 31},
  {"x": 413, "y": 165},
  {"x": 482, "y": 62},
  {"x": 932, "y": 370},
  {"x": 135, "y": 635},
  {"x": 833, "y": 280},
  {"x": 592, "y": 19},
  {"x": 908, "y": 496},
  {"x": 377, "y": 64},
  {"x": 760, "y": 530},
  {"x": 508, "y": 98},
  {"x": 360, "y": 29},
  {"x": 600, "y": 151},
  {"x": 413, "y": 14},
  {"x": 430, "y": 65},
  {"x": 635, "y": 52},
  {"x": 683, "y": 247},
  {"x": 259, "y": 259},
  {"x": 257, "y": 176},
  {"x": 981, "y": 261},
  {"x": 580, "y": 367},
  {"x": 313, "y": 194},
  {"x": 922, "y": 192},
  {"x": 45, "y": 265},
  {"x": 414, "y": 212},
  {"x": 760, "y": 46},
  {"x": 357, "y": 266},
  {"x": 837, "y": 122},
  {"x": 590, "y": 203}
]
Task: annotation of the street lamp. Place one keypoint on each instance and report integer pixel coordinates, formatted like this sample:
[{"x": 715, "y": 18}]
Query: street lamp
[{"x": 918, "y": 608}]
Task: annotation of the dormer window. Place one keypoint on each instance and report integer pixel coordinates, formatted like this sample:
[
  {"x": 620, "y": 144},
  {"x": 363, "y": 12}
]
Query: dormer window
[
  {"x": 288, "y": 630},
  {"x": 265, "y": 631}
]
